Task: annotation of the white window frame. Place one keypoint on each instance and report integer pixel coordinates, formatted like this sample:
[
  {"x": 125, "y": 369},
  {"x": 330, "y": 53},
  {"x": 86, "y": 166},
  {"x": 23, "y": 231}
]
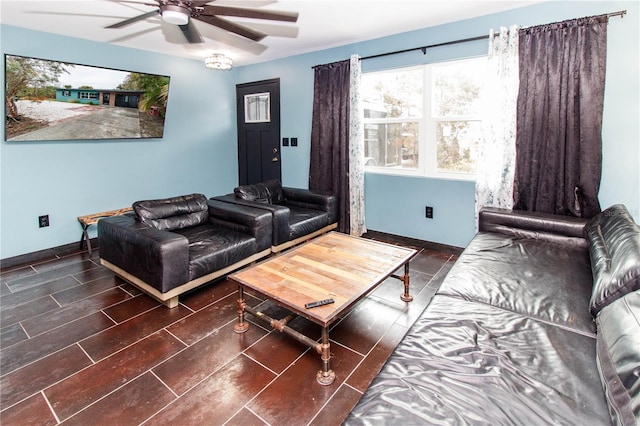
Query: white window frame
[
  {"x": 88, "y": 95},
  {"x": 257, "y": 108},
  {"x": 419, "y": 170},
  {"x": 432, "y": 158},
  {"x": 427, "y": 144},
  {"x": 401, "y": 171}
]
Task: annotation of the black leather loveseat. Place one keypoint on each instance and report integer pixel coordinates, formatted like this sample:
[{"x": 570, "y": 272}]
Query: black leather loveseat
[
  {"x": 538, "y": 322},
  {"x": 298, "y": 214},
  {"x": 169, "y": 246}
]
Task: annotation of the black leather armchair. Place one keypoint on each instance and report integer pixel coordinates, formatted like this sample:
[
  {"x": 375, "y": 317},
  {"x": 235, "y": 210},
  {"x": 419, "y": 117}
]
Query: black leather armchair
[
  {"x": 298, "y": 214},
  {"x": 166, "y": 247}
]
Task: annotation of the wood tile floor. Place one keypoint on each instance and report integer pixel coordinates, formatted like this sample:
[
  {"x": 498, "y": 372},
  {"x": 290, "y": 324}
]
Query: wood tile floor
[{"x": 80, "y": 346}]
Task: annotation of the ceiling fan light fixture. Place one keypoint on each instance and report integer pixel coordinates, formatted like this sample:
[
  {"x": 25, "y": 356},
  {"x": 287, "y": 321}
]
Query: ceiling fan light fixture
[
  {"x": 175, "y": 15},
  {"x": 218, "y": 61}
]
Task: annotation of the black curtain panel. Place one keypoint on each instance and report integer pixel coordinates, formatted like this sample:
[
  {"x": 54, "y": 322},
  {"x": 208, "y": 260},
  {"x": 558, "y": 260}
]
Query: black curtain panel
[
  {"x": 559, "y": 118},
  {"x": 329, "y": 167}
]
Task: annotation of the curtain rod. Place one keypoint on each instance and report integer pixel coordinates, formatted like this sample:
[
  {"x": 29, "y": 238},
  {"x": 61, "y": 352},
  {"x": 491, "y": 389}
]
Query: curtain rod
[
  {"x": 620, "y": 13},
  {"x": 424, "y": 48}
]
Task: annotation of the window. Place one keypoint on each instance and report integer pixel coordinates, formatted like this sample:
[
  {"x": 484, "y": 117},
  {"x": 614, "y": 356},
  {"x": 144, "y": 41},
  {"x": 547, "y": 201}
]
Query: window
[
  {"x": 256, "y": 108},
  {"x": 88, "y": 95},
  {"x": 424, "y": 121}
]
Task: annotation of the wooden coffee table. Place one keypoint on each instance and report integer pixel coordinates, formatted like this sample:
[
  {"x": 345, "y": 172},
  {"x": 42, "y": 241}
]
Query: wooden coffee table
[{"x": 336, "y": 266}]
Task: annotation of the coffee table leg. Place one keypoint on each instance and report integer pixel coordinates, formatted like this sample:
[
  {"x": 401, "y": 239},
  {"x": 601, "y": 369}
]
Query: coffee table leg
[
  {"x": 326, "y": 376},
  {"x": 242, "y": 325},
  {"x": 406, "y": 297}
]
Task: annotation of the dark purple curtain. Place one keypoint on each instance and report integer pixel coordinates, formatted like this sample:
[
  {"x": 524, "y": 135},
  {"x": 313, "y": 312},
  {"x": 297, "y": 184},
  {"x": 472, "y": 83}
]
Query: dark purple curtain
[
  {"x": 329, "y": 167},
  {"x": 558, "y": 139}
]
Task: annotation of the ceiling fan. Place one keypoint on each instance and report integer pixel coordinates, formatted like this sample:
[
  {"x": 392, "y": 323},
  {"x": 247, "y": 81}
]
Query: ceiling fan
[{"x": 181, "y": 13}]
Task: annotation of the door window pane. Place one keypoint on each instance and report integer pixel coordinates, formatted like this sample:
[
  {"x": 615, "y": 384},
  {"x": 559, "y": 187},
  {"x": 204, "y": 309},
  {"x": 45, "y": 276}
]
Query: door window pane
[{"x": 256, "y": 108}]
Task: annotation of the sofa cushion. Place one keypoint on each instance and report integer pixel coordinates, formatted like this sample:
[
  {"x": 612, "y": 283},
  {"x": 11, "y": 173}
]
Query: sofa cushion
[
  {"x": 256, "y": 193},
  {"x": 618, "y": 357},
  {"x": 173, "y": 213},
  {"x": 549, "y": 227},
  {"x": 468, "y": 363},
  {"x": 214, "y": 248},
  {"x": 614, "y": 248},
  {"x": 267, "y": 192},
  {"x": 536, "y": 278},
  {"x": 274, "y": 188},
  {"x": 306, "y": 221}
]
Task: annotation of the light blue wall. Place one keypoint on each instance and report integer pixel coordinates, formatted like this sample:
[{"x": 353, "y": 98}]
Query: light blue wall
[
  {"x": 67, "y": 179},
  {"x": 396, "y": 204},
  {"x": 199, "y": 154}
]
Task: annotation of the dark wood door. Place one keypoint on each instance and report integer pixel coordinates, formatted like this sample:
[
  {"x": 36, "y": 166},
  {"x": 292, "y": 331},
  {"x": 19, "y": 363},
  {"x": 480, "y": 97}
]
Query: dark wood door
[{"x": 258, "y": 108}]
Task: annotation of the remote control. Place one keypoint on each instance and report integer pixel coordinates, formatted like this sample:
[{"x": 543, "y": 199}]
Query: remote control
[{"x": 318, "y": 303}]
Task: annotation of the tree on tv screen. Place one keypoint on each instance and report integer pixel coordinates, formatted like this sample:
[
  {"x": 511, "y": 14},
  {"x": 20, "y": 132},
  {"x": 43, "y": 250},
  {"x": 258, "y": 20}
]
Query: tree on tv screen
[
  {"x": 30, "y": 78},
  {"x": 156, "y": 90}
]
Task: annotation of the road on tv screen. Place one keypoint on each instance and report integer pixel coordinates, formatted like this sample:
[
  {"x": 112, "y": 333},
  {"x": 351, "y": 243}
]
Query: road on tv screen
[{"x": 78, "y": 121}]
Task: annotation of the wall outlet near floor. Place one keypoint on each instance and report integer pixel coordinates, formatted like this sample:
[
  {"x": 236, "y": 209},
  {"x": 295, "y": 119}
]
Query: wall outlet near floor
[
  {"x": 43, "y": 220},
  {"x": 428, "y": 212}
]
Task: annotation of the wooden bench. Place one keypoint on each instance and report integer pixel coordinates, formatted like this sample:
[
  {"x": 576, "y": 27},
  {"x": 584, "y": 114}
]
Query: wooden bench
[{"x": 91, "y": 219}]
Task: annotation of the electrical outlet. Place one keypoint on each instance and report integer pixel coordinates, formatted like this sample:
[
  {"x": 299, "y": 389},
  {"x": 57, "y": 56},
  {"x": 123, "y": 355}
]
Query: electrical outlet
[
  {"x": 285, "y": 141},
  {"x": 43, "y": 221},
  {"x": 294, "y": 141},
  {"x": 428, "y": 212}
]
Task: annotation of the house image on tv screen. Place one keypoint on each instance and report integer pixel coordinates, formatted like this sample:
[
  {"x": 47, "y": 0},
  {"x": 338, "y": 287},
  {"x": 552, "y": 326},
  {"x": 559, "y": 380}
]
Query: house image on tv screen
[{"x": 113, "y": 98}]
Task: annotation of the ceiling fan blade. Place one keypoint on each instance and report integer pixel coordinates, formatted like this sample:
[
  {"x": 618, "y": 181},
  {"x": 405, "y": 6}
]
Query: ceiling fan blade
[
  {"x": 251, "y": 13},
  {"x": 191, "y": 33},
  {"x": 200, "y": 3},
  {"x": 232, "y": 27},
  {"x": 139, "y": 3},
  {"x": 134, "y": 19},
  {"x": 246, "y": 3}
]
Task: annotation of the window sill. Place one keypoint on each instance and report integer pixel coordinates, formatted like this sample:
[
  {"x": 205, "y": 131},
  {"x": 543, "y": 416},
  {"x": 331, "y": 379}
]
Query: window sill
[{"x": 464, "y": 177}]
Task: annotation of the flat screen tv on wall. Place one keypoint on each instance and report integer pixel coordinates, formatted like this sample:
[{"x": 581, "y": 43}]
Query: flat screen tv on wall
[{"x": 49, "y": 100}]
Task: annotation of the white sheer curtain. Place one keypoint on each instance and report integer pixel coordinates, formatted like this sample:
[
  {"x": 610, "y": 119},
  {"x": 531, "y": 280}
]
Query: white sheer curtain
[
  {"x": 356, "y": 151},
  {"x": 496, "y": 159}
]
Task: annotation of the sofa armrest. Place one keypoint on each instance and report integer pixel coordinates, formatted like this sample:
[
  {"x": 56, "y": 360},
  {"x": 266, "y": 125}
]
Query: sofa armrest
[
  {"x": 312, "y": 200},
  {"x": 242, "y": 218},
  {"x": 542, "y": 226},
  {"x": 279, "y": 215},
  {"x": 618, "y": 357},
  {"x": 159, "y": 258}
]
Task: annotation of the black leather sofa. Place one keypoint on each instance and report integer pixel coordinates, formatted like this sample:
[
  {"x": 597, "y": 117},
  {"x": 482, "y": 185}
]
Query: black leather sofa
[
  {"x": 298, "y": 214},
  {"x": 538, "y": 322},
  {"x": 169, "y": 246}
]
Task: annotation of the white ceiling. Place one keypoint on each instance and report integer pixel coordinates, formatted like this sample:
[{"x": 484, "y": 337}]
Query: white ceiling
[{"x": 322, "y": 24}]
